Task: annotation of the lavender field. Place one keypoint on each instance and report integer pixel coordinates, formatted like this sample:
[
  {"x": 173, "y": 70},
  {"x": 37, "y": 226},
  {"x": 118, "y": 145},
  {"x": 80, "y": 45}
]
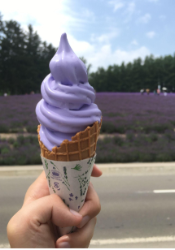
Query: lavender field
[
  {"x": 140, "y": 148},
  {"x": 22, "y": 151},
  {"x": 121, "y": 112},
  {"x": 147, "y": 122},
  {"x": 139, "y": 113},
  {"x": 18, "y": 113},
  {"x": 137, "y": 148}
]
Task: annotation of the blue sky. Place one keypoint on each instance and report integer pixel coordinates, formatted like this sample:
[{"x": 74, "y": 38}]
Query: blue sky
[{"x": 103, "y": 31}]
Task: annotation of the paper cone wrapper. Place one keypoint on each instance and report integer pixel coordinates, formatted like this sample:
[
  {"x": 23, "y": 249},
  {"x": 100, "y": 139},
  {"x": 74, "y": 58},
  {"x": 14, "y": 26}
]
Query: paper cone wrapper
[
  {"x": 68, "y": 167},
  {"x": 70, "y": 181}
]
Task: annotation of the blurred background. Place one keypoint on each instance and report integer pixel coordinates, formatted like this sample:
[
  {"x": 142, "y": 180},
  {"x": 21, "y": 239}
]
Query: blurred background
[
  {"x": 128, "y": 48},
  {"x": 129, "y": 51}
]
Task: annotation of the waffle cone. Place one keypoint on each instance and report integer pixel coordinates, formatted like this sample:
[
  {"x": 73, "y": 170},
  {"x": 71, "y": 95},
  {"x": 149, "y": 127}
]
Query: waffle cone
[{"x": 82, "y": 146}]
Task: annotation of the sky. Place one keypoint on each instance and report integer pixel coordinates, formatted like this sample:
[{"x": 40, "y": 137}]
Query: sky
[{"x": 105, "y": 32}]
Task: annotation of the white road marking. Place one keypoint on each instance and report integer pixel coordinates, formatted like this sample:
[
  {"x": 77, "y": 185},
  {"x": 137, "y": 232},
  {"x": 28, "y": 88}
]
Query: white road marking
[
  {"x": 5, "y": 245},
  {"x": 164, "y": 191},
  {"x": 101, "y": 242}
]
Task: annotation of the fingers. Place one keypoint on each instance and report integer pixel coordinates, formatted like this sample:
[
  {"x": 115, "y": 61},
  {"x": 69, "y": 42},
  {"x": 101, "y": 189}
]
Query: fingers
[
  {"x": 31, "y": 225},
  {"x": 91, "y": 206},
  {"x": 38, "y": 189},
  {"x": 79, "y": 239},
  {"x": 96, "y": 172},
  {"x": 52, "y": 208}
]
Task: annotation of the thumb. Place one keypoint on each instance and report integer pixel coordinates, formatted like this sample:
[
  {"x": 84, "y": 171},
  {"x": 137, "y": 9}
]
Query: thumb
[
  {"x": 52, "y": 208},
  {"x": 80, "y": 238}
]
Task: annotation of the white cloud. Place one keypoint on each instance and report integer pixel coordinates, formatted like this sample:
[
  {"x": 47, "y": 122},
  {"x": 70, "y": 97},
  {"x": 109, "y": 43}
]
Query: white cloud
[
  {"x": 128, "y": 8},
  {"x": 129, "y": 11},
  {"x": 117, "y": 4},
  {"x": 134, "y": 42},
  {"x": 33, "y": 9},
  {"x": 49, "y": 26},
  {"x": 49, "y": 20},
  {"x": 103, "y": 55},
  {"x": 81, "y": 48},
  {"x": 87, "y": 14},
  {"x": 150, "y": 34},
  {"x": 145, "y": 19},
  {"x": 105, "y": 38},
  {"x": 131, "y": 8}
]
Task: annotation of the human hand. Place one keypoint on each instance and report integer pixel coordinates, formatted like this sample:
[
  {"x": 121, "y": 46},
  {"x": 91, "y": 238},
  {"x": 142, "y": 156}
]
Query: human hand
[{"x": 33, "y": 225}]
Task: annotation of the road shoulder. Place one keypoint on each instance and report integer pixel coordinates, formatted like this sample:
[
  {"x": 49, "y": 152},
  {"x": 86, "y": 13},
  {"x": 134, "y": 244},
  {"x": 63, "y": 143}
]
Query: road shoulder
[{"x": 107, "y": 169}]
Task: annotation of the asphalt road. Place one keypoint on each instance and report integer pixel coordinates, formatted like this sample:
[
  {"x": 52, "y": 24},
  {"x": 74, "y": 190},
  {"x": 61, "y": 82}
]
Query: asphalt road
[{"x": 138, "y": 210}]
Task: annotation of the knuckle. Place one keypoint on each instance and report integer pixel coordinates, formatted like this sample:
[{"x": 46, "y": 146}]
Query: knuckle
[
  {"x": 95, "y": 219},
  {"x": 12, "y": 229},
  {"x": 99, "y": 207},
  {"x": 53, "y": 196},
  {"x": 96, "y": 206},
  {"x": 56, "y": 198},
  {"x": 85, "y": 241},
  {"x": 91, "y": 185}
]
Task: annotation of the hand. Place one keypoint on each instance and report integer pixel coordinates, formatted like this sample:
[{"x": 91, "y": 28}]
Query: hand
[{"x": 33, "y": 225}]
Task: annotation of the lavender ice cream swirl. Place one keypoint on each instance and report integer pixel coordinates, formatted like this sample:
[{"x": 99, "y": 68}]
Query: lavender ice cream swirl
[{"x": 68, "y": 105}]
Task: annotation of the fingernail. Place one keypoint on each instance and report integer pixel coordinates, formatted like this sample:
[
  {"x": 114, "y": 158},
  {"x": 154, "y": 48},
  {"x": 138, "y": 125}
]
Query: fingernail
[
  {"x": 64, "y": 245},
  {"x": 98, "y": 169},
  {"x": 75, "y": 213},
  {"x": 84, "y": 221}
]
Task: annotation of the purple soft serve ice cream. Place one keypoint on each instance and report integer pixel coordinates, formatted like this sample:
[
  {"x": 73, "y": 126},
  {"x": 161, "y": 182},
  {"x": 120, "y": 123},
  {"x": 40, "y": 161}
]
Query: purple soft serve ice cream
[{"x": 68, "y": 105}]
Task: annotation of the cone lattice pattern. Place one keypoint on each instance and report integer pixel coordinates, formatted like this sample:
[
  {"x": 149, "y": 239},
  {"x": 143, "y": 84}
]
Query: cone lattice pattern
[{"x": 82, "y": 146}]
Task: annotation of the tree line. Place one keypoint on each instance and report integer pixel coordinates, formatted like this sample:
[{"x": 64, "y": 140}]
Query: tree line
[
  {"x": 24, "y": 58},
  {"x": 24, "y": 62},
  {"x": 141, "y": 74}
]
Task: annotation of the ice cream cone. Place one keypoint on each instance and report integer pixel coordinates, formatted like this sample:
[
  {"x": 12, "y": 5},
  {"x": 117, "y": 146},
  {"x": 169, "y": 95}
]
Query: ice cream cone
[
  {"x": 82, "y": 146},
  {"x": 67, "y": 106},
  {"x": 68, "y": 167}
]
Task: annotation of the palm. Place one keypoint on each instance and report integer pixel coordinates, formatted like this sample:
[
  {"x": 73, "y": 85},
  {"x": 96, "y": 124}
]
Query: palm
[{"x": 48, "y": 235}]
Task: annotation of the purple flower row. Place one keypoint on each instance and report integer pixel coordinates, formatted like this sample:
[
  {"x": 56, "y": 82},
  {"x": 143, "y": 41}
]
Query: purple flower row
[
  {"x": 132, "y": 148},
  {"x": 121, "y": 112}
]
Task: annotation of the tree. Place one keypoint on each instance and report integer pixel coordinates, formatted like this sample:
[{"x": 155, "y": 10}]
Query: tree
[
  {"x": 137, "y": 75},
  {"x": 24, "y": 62},
  {"x": 12, "y": 44},
  {"x": 24, "y": 58}
]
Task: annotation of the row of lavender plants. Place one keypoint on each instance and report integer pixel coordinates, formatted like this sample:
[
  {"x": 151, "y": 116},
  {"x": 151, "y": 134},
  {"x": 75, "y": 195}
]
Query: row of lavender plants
[
  {"x": 132, "y": 148},
  {"x": 20, "y": 151},
  {"x": 136, "y": 112},
  {"x": 137, "y": 148},
  {"x": 121, "y": 112}
]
